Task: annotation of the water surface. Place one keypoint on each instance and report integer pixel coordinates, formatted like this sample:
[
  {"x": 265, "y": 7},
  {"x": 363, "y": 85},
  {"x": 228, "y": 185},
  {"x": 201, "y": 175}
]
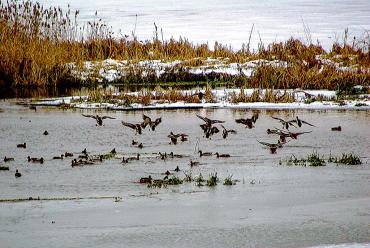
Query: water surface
[
  {"x": 283, "y": 207},
  {"x": 230, "y": 22}
]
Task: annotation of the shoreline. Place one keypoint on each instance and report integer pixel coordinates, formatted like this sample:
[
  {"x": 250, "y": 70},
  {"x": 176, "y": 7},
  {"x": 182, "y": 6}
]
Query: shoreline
[{"x": 222, "y": 99}]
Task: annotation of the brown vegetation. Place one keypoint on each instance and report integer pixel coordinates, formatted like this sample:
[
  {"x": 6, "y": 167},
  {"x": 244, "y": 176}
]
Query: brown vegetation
[{"x": 36, "y": 45}]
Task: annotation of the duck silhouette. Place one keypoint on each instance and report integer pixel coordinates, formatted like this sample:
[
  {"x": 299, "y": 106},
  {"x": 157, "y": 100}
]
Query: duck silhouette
[
  {"x": 209, "y": 122},
  {"x": 146, "y": 179},
  {"x": 248, "y": 122},
  {"x": 17, "y": 173},
  {"x": 286, "y": 124},
  {"x": 225, "y": 132},
  {"x": 24, "y": 145},
  {"x": 148, "y": 121},
  {"x": 222, "y": 155},
  {"x": 272, "y": 146},
  {"x": 338, "y": 128},
  {"x": 174, "y": 137},
  {"x": 59, "y": 157},
  {"x": 300, "y": 122},
  {"x": 35, "y": 160},
  {"x": 201, "y": 153},
  {"x": 6, "y": 159},
  {"x": 136, "y": 127},
  {"x": 99, "y": 119}
]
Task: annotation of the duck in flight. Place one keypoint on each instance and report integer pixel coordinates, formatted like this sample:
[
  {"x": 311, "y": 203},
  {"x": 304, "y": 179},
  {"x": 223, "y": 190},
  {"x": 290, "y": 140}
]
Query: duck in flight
[
  {"x": 273, "y": 146},
  {"x": 207, "y": 127},
  {"x": 99, "y": 119},
  {"x": 148, "y": 121},
  {"x": 300, "y": 122},
  {"x": 136, "y": 127},
  {"x": 225, "y": 132},
  {"x": 286, "y": 124}
]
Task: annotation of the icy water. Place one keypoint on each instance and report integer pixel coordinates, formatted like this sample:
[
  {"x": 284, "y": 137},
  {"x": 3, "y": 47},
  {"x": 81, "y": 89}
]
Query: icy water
[
  {"x": 271, "y": 205},
  {"x": 230, "y": 22}
]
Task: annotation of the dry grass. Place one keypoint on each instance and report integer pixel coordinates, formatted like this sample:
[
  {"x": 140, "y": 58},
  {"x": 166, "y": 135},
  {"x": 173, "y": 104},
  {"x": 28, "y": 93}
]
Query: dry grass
[
  {"x": 145, "y": 96},
  {"x": 258, "y": 95},
  {"x": 36, "y": 44}
]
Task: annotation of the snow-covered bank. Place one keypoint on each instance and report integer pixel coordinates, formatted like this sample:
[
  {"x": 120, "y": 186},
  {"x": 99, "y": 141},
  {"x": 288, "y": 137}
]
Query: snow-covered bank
[
  {"x": 110, "y": 70},
  {"x": 310, "y": 99}
]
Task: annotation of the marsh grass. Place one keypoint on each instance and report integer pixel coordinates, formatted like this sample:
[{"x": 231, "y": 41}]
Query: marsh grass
[
  {"x": 146, "y": 96},
  {"x": 212, "y": 180},
  {"x": 199, "y": 180},
  {"x": 38, "y": 44},
  {"x": 258, "y": 95},
  {"x": 229, "y": 181},
  {"x": 313, "y": 159},
  {"x": 188, "y": 176},
  {"x": 348, "y": 159}
]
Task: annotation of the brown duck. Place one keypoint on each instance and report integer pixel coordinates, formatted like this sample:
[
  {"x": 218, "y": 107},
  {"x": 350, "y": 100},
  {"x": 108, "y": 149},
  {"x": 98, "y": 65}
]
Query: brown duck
[
  {"x": 148, "y": 121},
  {"x": 273, "y": 147},
  {"x": 300, "y": 122},
  {"x": 136, "y": 127},
  {"x": 286, "y": 124},
  {"x": 174, "y": 137},
  {"x": 225, "y": 132},
  {"x": 99, "y": 119}
]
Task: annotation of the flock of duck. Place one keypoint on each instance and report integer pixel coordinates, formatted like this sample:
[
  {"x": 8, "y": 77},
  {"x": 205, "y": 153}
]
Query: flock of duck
[{"x": 209, "y": 127}]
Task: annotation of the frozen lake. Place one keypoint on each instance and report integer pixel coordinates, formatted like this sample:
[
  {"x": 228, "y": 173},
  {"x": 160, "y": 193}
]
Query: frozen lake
[
  {"x": 283, "y": 207},
  {"x": 230, "y": 22}
]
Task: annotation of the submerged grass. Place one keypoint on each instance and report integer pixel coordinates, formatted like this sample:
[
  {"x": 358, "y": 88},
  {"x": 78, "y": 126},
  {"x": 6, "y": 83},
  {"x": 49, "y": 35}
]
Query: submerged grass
[
  {"x": 212, "y": 180},
  {"x": 347, "y": 159},
  {"x": 38, "y": 45},
  {"x": 315, "y": 159}
]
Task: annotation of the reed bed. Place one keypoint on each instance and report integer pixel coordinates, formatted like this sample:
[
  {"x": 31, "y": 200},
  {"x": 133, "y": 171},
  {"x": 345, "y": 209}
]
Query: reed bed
[{"x": 37, "y": 44}]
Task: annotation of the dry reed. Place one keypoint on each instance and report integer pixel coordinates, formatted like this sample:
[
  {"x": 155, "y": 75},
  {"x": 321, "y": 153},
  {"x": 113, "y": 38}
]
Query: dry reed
[{"x": 37, "y": 43}]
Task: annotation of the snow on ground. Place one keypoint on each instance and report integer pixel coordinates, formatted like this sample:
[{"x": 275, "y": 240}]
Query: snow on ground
[
  {"x": 110, "y": 70},
  {"x": 310, "y": 99}
]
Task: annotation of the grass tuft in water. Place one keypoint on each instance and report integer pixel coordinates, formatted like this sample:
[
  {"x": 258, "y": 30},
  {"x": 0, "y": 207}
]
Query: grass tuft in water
[
  {"x": 348, "y": 159},
  {"x": 229, "y": 180},
  {"x": 212, "y": 180},
  {"x": 314, "y": 160},
  {"x": 199, "y": 180}
]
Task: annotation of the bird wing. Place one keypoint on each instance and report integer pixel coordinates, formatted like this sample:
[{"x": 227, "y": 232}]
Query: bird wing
[
  {"x": 231, "y": 131},
  {"x": 216, "y": 121},
  {"x": 279, "y": 119},
  {"x": 305, "y": 122},
  {"x": 223, "y": 127},
  {"x": 303, "y": 133},
  {"x": 243, "y": 121},
  {"x": 204, "y": 118},
  {"x": 146, "y": 119},
  {"x": 107, "y": 117},
  {"x": 130, "y": 125},
  {"x": 90, "y": 116},
  {"x": 265, "y": 144},
  {"x": 158, "y": 120}
]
